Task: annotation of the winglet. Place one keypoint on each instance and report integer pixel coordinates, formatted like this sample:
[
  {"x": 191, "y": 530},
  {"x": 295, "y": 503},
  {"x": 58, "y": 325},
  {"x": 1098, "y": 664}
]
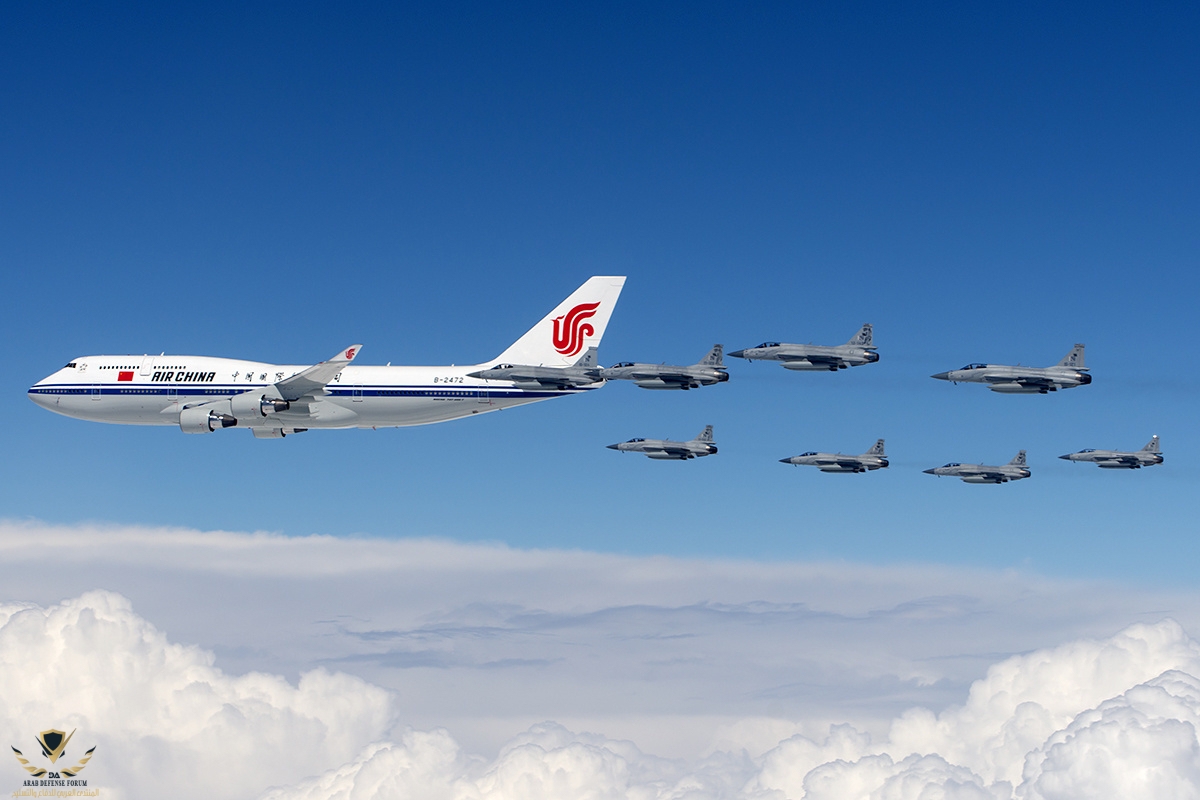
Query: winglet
[{"x": 317, "y": 376}]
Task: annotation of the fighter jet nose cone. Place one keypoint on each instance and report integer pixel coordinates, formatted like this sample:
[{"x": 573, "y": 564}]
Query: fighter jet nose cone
[
  {"x": 941, "y": 376},
  {"x": 612, "y": 447},
  {"x": 929, "y": 472},
  {"x": 738, "y": 354},
  {"x": 1065, "y": 458},
  {"x": 785, "y": 461}
]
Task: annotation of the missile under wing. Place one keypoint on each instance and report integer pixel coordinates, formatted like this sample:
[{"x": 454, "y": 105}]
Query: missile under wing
[
  {"x": 1066, "y": 374},
  {"x": 668, "y": 450},
  {"x": 1014, "y": 470},
  {"x": 1148, "y": 456},
  {"x": 705, "y": 372},
  {"x": 856, "y": 352},
  {"x": 839, "y": 462}
]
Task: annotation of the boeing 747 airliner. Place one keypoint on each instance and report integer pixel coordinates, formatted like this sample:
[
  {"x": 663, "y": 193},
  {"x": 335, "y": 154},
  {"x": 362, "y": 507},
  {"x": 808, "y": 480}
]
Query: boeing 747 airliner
[{"x": 203, "y": 394}]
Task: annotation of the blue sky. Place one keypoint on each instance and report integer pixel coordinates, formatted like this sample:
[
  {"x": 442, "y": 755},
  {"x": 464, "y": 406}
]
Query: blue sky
[{"x": 275, "y": 182}]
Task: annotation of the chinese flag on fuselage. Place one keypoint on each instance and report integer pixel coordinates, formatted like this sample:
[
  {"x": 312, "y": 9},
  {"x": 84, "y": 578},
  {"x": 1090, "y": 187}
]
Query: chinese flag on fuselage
[{"x": 125, "y": 376}]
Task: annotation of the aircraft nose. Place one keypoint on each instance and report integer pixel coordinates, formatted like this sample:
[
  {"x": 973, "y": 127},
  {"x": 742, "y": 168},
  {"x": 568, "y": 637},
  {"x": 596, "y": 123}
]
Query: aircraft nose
[
  {"x": 941, "y": 376},
  {"x": 785, "y": 461},
  {"x": 613, "y": 446},
  {"x": 738, "y": 354},
  {"x": 43, "y": 400},
  {"x": 1065, "y": 458},
  {"x": 930, "y": 471}
]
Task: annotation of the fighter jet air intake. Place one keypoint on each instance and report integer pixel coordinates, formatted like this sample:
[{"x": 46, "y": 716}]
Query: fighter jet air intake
[
  {"x": 1148, "y": 456},
  {"x": 856, "y": 352},
  {"x": 837, "y": 462},
  {"x": 1014, "y": 470},
  {"x": 1066, "y": 374},
  {"x": 666, "y": 449}
]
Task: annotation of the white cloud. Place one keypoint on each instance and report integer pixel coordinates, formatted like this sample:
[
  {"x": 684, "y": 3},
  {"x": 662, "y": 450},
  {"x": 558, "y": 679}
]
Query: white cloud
[
  {"x": 1038, "y": 710},
  {"x": 744, "y": 680},
  {"x": 166, "y": 722}
]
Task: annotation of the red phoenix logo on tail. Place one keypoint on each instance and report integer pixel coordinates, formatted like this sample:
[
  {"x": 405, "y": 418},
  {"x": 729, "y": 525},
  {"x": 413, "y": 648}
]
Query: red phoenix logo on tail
[{"x": 569, "y": 333}]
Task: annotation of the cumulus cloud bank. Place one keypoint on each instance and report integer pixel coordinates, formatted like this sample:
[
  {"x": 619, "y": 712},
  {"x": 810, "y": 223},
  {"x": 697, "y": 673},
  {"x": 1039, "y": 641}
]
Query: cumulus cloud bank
[
  {"x": 1115, "y": 717},
  {"x": 165, "y": 721},
  {"x": 333, "y": 668},
  {"x": 1089, "y": 719}
]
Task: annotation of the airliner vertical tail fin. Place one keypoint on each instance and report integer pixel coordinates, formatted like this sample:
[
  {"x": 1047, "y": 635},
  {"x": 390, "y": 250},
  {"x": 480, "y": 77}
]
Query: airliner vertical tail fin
[{"x": 574, "y": 325}]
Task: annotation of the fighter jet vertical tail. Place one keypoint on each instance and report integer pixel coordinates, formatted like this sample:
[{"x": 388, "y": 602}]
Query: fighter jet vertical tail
[
  {"x": 1018, "y": 460},
  {"x": 876, "y": 450},
  {"x": 574, "y": 325},
  {"x": 715, "y": 357},
  {"x": 1152, "y": 445},
  {"x": 1073, "y": 358},
  {"x": 863, "y": 337},
  {"x": 704, "y": 435},
  {"x": 588, "y": 360}
]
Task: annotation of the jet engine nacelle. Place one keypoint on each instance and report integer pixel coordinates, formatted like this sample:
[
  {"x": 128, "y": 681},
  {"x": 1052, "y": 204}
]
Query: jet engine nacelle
[
  {"x": 808, "y": 365},
  {"x": 204, "y": 419},
  {"x": 1016, "y": 388},
  {"x": 253, "y": 404}
]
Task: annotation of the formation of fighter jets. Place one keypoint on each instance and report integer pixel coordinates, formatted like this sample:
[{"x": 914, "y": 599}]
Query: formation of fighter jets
[{"x": 557, "y": 357}]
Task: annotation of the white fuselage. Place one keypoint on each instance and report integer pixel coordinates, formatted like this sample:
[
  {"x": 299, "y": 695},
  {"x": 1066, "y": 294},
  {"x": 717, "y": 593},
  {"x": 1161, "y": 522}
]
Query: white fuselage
[{"x": 152, "y": 390}]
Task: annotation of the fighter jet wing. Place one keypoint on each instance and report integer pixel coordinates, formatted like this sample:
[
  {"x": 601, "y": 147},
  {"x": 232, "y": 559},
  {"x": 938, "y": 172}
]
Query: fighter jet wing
[
  {"x": 1041, "y": 383},
  {"x": 848, "y": 463},
  {"x": 831, "y": 361},
  {"x": 669, "y": 450},
  {"x": 663, "y": 375},
  {"x": 317, "y": 376}
]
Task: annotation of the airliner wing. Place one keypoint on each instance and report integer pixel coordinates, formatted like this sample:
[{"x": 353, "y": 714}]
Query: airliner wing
[{"x": 317, "y": 376}]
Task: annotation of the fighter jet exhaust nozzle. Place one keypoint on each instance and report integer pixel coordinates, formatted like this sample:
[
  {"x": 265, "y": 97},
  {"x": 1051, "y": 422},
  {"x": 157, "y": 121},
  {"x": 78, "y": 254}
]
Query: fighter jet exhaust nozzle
[
  {"x": 872, "y": 358},
  {"x": 883, "y": 463},
  {"x": 712, "y": 448},
  {"x": 1084, "y": 379},
  {"x": 724, "y": 376},
  {"x": 270, "y": 406}
]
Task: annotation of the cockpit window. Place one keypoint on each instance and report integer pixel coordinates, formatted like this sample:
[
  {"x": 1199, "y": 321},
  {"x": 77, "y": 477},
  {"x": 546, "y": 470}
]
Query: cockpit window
[
  {"x": 631, "y": 441},
  {"x": 622, "y": 364},
  {"x": 802, "y": 455},
  {"x": 1089, "y": 450},
  {"x": 955, "y": 464},
  {"x": 767, "y": 344},
  {"x": 70, "y": 366},
  {"x": 503, "y": 366},
  {"x": 975, "y": 366}
]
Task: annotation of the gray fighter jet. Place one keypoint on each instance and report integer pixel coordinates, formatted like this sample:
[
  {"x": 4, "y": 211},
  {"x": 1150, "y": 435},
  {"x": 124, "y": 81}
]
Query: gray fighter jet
[
  {"x": 837, "y": 462},
  {"x": 1066, "y": 374},
  {"x": 705, "y": 372},
  {"x": 1014, "y": 470},
  {"x": 854, "y": 353},
  {"x": 665, "y": 449},
  {"x": 582, "y": 373},
  {"x": 1148, "y": 456}
]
